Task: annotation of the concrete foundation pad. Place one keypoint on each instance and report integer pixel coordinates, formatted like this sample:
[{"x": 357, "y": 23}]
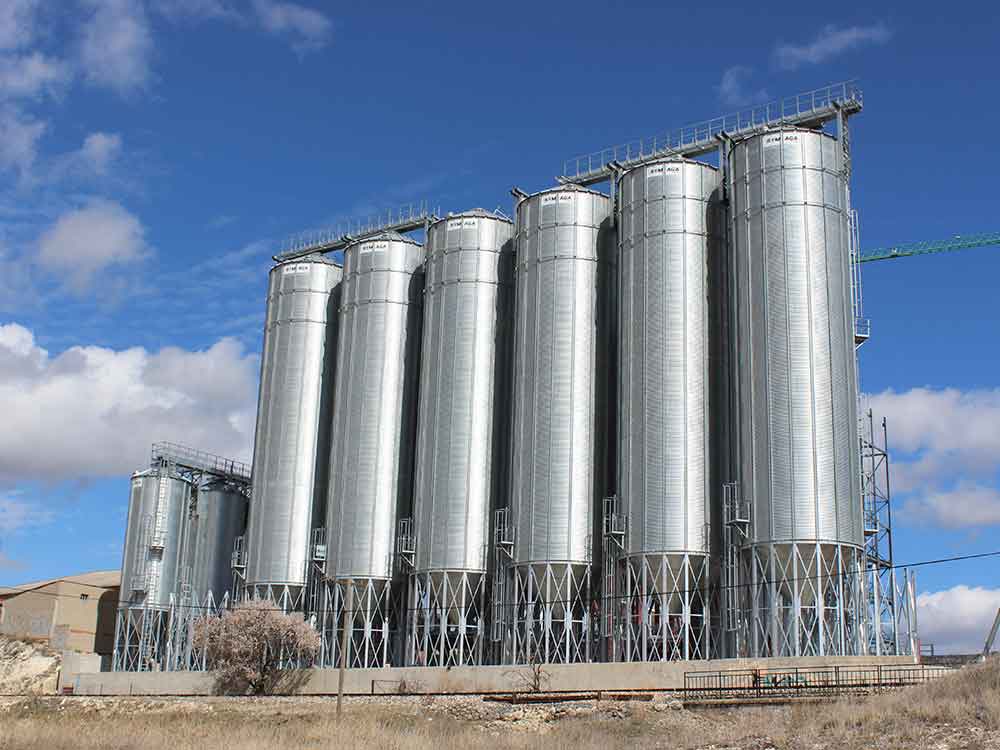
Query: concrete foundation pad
[{"x": 474, "y": 680}]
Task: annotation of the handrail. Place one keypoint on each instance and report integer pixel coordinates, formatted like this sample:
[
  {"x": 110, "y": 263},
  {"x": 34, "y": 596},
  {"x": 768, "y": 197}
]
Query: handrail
[{"x": 700, "y": 137}]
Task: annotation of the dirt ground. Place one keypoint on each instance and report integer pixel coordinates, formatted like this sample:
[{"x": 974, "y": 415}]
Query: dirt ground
[{"x": 959, "y": 711}]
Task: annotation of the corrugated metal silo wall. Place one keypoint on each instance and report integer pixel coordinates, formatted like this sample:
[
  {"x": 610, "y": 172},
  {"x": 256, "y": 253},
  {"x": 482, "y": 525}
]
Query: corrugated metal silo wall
[
  {"x": 371, "y": 462},
  {"x": 464, "y": 411},
  {"x": 219, "y": 518},
  {"x": 563, "y": 434},
  {"x": 293, "y": 420},
  {"x": 796, "y": 377},
  {"x": 157, "y": 515},
  {"x": 669, "y": 236}
]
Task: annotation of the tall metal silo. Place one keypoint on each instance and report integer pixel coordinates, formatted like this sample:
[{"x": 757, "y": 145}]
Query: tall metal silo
[
  {"x": 374, "y": 428},
  {"x": 562, "y": 434},
  {"x": 219, "y": 516},
  {"x": 669, "y": 238},
  {"x": 462, "y": 434},
  {"x": 293, "y": 428},
  {"x": 152, "y": 567},
  {"x": 796, "y": 395}
]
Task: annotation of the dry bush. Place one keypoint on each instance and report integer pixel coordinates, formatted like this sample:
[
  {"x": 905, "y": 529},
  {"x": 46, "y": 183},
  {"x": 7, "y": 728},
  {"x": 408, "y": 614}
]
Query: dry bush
[
  {"x": 532, "y": 678},
  {"x": 256, "y": 648}
]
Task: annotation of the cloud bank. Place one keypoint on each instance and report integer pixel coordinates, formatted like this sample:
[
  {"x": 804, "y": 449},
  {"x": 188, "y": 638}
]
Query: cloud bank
[
  {"x": 93, "y": 411},
  {"x": 956, "y": 620}
]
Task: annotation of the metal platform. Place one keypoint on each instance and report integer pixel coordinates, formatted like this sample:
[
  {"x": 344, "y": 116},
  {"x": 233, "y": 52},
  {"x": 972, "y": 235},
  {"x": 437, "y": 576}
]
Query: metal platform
[
  {"x": 195, "y": 461},
  {"x": 809, "y": 109},
  {"x": 403, "y": 219}
]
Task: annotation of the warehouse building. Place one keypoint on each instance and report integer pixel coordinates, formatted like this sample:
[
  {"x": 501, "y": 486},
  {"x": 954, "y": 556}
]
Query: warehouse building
[{"x": 73, "y": 613}]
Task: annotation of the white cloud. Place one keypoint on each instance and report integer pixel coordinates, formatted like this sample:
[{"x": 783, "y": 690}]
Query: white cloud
[
  {"x": 958, "y": 619},
  {"x": 198, "y": 10},
  {"x": 19, "y": 357},
  {"x": 946, "y": 433},
  {"x": 830, "y": 42},
  {"x": 99, "y": 151},
  {"x": 17, "y": 23},
  {"x": 308, "y": 29},
  {"x": 19, "y": 136},
  {"x": 734, "y": 89},
  {"x": 116, "y": 45},
  {"x": 94, "y": 411},
  {"x": 17, "y": 514},
  {"x": 17, "y": 288},
  {"x": 966, "y": 505},
  {"x": 32, "y": 75},
  {"x": 86, "y": 241}
]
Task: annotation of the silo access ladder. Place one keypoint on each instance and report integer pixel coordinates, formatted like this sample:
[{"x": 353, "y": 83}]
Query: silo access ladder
[{"x": 504, "y": 557}]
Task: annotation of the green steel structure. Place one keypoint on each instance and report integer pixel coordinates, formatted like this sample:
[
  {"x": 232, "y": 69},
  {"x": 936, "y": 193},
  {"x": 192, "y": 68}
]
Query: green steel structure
[{"x": 958, "y": 242}]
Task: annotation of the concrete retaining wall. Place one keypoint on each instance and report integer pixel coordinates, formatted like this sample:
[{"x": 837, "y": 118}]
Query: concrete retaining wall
[{"x": 575, "y": 677}]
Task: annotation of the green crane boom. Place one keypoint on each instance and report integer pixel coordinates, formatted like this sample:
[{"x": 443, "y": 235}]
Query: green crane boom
[{"x": 958, "y": 242}]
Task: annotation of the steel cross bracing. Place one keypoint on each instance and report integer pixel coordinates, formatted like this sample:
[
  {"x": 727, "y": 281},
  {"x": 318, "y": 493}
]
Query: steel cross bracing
[
  {"x": 958, "y": 242},
  {"x": 809, "y": 109},
  {"x": 404, "y": 219}
]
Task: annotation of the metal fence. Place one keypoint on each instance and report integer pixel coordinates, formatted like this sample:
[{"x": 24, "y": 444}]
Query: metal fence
[{"x": 796, "y": 683}]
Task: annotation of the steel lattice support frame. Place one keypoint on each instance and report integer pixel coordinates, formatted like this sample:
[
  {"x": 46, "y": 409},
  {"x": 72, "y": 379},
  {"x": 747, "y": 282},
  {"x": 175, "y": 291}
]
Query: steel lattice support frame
[
  {"x": 287, "y": 597},
  {"x": 551, "y": 614},
  {"x": 804, "y": 599},
  {"x": 184, "y": 614},
  {"x": 446, "y": 618},
  {"x": 142, "y": 637},
  {"x": 367, "y": 607},
  {"x": 663, "y": 608}
]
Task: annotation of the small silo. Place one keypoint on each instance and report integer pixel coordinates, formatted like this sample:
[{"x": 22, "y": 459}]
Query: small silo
[
  {"x": 152, "y": 567},
  {"x": 373, "y": 440},
  {"x": 463, "y": 432},
  {"x": 219, "y": 515},
  {"x": 293, "y": 427},
  {"x": 796, "y": 394},
  {"x": 669, "y": 238},
  {"x": 562, "y": 433}
]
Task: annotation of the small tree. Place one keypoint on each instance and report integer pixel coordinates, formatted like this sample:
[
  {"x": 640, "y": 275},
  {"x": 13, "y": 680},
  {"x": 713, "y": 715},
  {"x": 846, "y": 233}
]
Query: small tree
[{"x": 255, "y": 647}]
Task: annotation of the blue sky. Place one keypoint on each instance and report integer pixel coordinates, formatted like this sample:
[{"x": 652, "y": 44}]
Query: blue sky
[{"x": 154, "y": 154}]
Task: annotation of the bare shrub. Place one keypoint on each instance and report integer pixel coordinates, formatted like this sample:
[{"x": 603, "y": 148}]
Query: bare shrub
[
  {"x": 256, "y": 648},
  {"x": 533, "y": 678}
]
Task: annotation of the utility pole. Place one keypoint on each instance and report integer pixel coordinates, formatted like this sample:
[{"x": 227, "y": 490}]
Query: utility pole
[{"x": 992, "y": 636}]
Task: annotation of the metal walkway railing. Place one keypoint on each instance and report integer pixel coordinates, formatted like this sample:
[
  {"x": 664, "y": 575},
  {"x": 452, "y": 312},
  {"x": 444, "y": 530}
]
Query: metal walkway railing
[
  {"x": 796, "y": 683},
  {"x": 808, "y": 108}
]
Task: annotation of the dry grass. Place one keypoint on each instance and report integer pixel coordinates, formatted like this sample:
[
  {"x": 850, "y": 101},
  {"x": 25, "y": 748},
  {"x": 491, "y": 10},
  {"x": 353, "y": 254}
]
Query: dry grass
[{"x": 961, "y": 711}]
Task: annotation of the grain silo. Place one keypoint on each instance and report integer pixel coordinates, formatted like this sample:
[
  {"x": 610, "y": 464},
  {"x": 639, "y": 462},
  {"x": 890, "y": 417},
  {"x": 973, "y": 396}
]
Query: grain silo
[
  {"x": 669, "y": 236},
  {"x": 463, "y": 432},
  {"x": 372, "y": 456},
  {"x": 293, "y": 427},
  {"x": 218, "y": 517},
  {"x": 796, "y": 394},
  {"x": 152, "y": 567},
  {"x": 562, "y": 431}
]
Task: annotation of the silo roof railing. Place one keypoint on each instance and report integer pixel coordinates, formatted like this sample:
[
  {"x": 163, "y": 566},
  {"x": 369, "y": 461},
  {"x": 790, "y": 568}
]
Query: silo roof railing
[
  {"x": 199, "y": 461},
  {"x": 808, "y": 108},
  {"x": 403, "y": 219}
]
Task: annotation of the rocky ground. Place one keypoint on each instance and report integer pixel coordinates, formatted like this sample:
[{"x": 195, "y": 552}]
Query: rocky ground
[
  {"x": 958, "y": 712},
  {"x": 27, "y": 667}
]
